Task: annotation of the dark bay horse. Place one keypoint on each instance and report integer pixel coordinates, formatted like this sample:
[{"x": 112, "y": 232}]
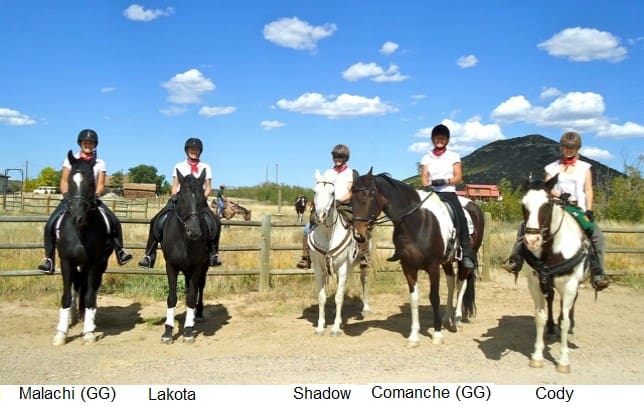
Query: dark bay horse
[
  {"x": 423, "y": 237},
  {"x": 84, "y": 248},
  {"x": 557, "y": 251},
  {"x": 300, "y": 207},
  {"x": 185, "y": 248}
]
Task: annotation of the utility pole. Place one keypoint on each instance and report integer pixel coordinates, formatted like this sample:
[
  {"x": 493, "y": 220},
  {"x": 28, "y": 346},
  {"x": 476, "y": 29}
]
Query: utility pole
[{"x": 279, "y": 190}]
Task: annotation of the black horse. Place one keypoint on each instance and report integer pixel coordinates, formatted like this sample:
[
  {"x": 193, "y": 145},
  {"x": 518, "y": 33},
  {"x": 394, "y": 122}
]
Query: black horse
[
  {"x": 185, "y": 248},
  {"x": 300, "y": 207},
  {"x": 84, "y": 247},
  {"x": 423, "y": 240}
]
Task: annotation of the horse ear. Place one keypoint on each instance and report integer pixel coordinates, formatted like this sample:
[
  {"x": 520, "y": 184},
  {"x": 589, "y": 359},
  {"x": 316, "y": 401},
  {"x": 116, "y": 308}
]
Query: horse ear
[
  {"x": 370, "y": 171},
  {"x": 525, "y": 184},
  {"x": 179, "y": 177},
  {"x": 318, "y": 176},
  {"x": 71, "y": 158},
  {"x": 356, "y": 175},
  {"x": 550, "y": 184},
  {"x": 202, "y": 177}
]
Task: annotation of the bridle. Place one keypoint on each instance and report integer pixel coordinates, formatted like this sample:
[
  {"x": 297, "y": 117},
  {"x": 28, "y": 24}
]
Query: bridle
[
  {"x": 372, "y": 219},
  {"x": 544, "y": 227}
]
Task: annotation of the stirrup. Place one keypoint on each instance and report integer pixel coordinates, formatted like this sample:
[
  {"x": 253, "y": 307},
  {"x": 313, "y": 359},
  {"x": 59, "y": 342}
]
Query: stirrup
[
  {"x": 122, "y": 257},
  {"x": 146, "y": 262},
  {"x": 47, "y": 266},
  {"x": 214, "y": 260},
  {"x": 304, "y": 263},
  {"x": 599, "y": 282}
]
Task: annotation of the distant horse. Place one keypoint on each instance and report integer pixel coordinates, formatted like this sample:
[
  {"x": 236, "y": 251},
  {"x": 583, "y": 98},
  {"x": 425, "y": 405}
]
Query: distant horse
[
  {"x": 185, "y": 248},
  {"x": 333, "y": 253},
  {"x": 84, "y": 248},
  {"x": 423, "y": 237},
  {"x": 556, "y": 250},
  {"x": 300, "y": 207},
  {"x": 230, "y": 210}
]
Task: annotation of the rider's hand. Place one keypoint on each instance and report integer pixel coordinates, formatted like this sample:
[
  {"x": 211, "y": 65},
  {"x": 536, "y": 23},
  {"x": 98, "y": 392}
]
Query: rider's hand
[
  {"x": 438, "y": 182},
  {"x": 564, "y": 197},
  {"x": 590, "y": 215}
]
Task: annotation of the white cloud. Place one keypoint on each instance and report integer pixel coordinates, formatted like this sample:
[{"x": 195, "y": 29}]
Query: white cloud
[
  {"x": 419, "y": 147},
  {"x": 297, "y": 34},
  {"x": 373, "y": 72},
  {"x": 187, "y": 87},
  {"x": 549, "y": 93},
  {"x": 173, "y": 110},
  {"x": 464, "y": 137},
  {"x": 627, "y": 130},
  {"x": 388, "y": 48},
  {"x": 12, "y": 117},
  {"x": 595, "y": 153},
  {"x": 467, "y": 61},
  {"x": 107, "y": 90},
  {"x": 271, "y": 124},
  {"x": 210, "y": 111},
  {"x": 584, "y": 44},
  {"x": 514, "y": 109},
  {"x": 344, "y": 106},
  {"x": 419, "y": 96},
  {"x": 137, "y": 13}
]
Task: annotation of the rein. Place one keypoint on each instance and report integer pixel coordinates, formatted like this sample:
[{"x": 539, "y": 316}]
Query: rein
[{"x": 378, "y": 220}]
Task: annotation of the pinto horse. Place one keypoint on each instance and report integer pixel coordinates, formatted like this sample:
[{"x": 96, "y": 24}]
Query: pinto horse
[
  {"x": 423, "y": 236},
  {"x": 300, "y": 207},
  {"x": 556, "y": 250},
  {"x": 333, "y": 253},
  {"x": 185, "y": 248},
  {"x": 84, "y": 248},
  {"x": 231, "y": 209}
]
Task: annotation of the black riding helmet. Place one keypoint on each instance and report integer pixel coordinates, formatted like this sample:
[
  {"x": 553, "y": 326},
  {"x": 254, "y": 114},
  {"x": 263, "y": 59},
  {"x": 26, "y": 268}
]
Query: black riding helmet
[
  {"x": 341, "y": 151},
  {"x": 193, "y": 142},
  {"x": 87, "y": 134},
  {"x": 441, "y": 130}
]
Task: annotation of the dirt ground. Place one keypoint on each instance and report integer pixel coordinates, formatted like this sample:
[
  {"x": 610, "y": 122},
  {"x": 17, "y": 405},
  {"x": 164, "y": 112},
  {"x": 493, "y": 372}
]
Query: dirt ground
[{"x": 244, "y": 341}]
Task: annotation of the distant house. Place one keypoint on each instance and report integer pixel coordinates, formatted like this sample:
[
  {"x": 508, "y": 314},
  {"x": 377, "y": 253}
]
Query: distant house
[
  {"x": 481, "y": 192},
  {"x": 132, "y": 190}
]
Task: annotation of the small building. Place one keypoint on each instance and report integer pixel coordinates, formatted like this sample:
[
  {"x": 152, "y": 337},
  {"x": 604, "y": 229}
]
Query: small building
[
  {"x": 482, "y": 192},
  {"x": 134, "y": 190}
]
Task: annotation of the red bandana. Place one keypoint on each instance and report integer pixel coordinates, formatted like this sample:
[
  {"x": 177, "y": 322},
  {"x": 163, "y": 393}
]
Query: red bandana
[
  {"x": 568, "y": 161},
  {"x": 86, "y": 157},
  {"x": 340, "y": 168},
  {"x": 193, "y": 166},
  {"x": 439, "y": 151}
]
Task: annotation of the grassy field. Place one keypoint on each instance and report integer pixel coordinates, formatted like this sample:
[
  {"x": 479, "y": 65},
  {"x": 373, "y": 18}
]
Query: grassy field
[{"x": 386, "y": 277}]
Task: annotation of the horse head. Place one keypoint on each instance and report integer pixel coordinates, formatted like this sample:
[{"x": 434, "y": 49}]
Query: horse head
[
  {"x": 82, "y": 188},
  {"x": 324, "y": 198},
  {"x": 365, "y": 203},
  {"x": 191, "y": 203},
  {"x": 537, "y": 211}
]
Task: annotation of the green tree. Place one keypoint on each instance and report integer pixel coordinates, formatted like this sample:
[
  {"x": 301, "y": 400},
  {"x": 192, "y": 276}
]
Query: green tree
[
  {"x": 117, "y": 179},
  {"x": 48, "y": 177},
  {"x": 146, "y": 174},
  {"x": 626, "y": 200}
]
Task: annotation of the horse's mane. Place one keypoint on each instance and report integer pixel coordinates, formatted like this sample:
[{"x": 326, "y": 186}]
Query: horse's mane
[{"x": 399, "y": 186}]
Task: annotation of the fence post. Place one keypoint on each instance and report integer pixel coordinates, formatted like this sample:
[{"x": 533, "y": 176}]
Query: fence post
[
  {"x": 486, "y": 246},
  {"x": 265, "y": 255}
]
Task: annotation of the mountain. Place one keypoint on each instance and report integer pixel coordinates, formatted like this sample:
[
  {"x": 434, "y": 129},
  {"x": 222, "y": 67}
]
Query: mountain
[{"x": 517, "y": 158}]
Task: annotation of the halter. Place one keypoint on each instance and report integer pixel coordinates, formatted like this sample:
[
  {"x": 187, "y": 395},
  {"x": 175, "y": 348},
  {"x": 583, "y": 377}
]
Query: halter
[{"x": 375, "y": 220}]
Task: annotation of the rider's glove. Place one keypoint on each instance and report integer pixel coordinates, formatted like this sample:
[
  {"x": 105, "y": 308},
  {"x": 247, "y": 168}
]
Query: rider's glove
[
  {"x": 564, "y": 197},
  {"x": 438, "y": 182},
  {"x": 590, "y": 215}
]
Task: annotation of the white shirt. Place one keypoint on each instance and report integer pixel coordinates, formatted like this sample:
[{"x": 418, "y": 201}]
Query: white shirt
[
  {"x": 98, "y": 167},
  {"x": 184, "y": 169},
  {"x": 441, "y": 167},
  {"x": 572, "y": 181},
  {"x": 343, "y": 180}
]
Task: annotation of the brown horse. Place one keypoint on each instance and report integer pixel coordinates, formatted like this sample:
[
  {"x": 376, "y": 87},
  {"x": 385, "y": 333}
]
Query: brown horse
[
  {"x": 423, "y": 237},
  {"x": 231, "y": 209},
  {"x": 300, "y": 207}
]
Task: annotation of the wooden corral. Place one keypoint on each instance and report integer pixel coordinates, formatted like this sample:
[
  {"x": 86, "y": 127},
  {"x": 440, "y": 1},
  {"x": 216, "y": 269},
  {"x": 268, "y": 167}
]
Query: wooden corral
[{"x": 133, "y": 190}]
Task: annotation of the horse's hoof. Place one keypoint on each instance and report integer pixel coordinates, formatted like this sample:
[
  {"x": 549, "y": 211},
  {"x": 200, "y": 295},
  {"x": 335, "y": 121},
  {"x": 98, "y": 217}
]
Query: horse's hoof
[
  {"x": 563, "y": 368},
  {"x": 538, "y": 363},
  {"x": 413, "y": 344},
  {"x": 438, "y": 338},
  {"x": 189, "y": 339},
  {"x": 89, "y": 337},
  {"x": 167, "y": 340},
  {"x": 335, "y": 334},
  {"x": 199, "y": 318},
  {"x": 319, "y": 332},
  {"x": 59, "y": 339}
]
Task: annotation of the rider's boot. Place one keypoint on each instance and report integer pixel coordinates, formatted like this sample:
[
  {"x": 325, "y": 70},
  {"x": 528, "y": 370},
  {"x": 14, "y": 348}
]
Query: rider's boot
[
  {"x": 47, "y": 265},
  {"x": 469, "y": 257},
  {"x": 514, "y": 263},
  {"x": 598, "y": 278},
  {"x": 305, "y": 261},
  {"x": 394, "y": 257},
  {"x": 147, "y": 262}
]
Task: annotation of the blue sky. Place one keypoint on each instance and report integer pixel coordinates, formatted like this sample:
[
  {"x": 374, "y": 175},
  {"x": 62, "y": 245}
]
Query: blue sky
[{"x": 271, "y": 86}]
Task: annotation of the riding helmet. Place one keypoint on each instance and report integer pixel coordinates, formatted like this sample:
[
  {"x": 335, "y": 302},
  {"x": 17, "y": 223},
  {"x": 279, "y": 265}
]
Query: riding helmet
[
  {"x": 193, "y": 142},
  {"x": 571, "y": 139},
  {"x": 87, "y": 134},
  {"x": 341, "y": 151},
  {"x": 441, "y": 130}
]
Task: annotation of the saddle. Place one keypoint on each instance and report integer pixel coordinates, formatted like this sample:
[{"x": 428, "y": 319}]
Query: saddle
[{"x": 64, "y": 213}]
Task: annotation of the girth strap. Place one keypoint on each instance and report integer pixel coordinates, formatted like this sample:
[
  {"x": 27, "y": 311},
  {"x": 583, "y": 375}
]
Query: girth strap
[
  {"x": 548, "y": 273},
  {"x": 328, "y": 254}
]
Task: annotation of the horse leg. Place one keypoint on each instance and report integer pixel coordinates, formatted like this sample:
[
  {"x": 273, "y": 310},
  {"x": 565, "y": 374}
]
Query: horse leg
[
  {"x": 568, "y": 297},
  {"x": 550, "y": 324},
  {"x": 536, "y": 359},
  {"x": 94, "y": 277},
  {"x": 200, "y": 292},
  {"x": 449, "y": 317},
  {"x": 320, "y": 280},
  {"x": 364, "y": 279},
  {"x": 191, "y": 302},
  {"x": 412, "y": 283},
  {"x": 171, "y": 305},
  {"x": 339, "y": 300},
  {"x": 60, "y": 338},
  {"x": 435, "y": 301}
]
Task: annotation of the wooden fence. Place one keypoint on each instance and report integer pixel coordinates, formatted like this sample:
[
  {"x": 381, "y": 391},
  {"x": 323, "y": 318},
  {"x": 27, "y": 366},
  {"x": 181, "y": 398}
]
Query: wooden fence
[{"x": 265, "y": 248}]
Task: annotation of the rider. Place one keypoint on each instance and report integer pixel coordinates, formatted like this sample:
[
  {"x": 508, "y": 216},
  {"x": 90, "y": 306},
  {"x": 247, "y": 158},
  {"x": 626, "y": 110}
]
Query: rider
[
  {"x": 221, "y": 204},
  {"x": 441, "y": 171},
  {"x": 343, "y": 182},
  {"x": 88, "y": 141},
  {"x": 192, "y": 165},
  {"x": 575, "y": 187}
]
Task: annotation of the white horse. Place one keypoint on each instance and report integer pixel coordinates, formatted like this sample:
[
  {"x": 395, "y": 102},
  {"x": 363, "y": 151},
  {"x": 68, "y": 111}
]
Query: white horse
[
  {"x": 333, "y": 252},
  {"x": 556, "y": 251}
]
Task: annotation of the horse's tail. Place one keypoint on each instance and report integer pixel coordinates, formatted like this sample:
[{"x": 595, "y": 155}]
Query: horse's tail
[{"x": 469, "y": 297}]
